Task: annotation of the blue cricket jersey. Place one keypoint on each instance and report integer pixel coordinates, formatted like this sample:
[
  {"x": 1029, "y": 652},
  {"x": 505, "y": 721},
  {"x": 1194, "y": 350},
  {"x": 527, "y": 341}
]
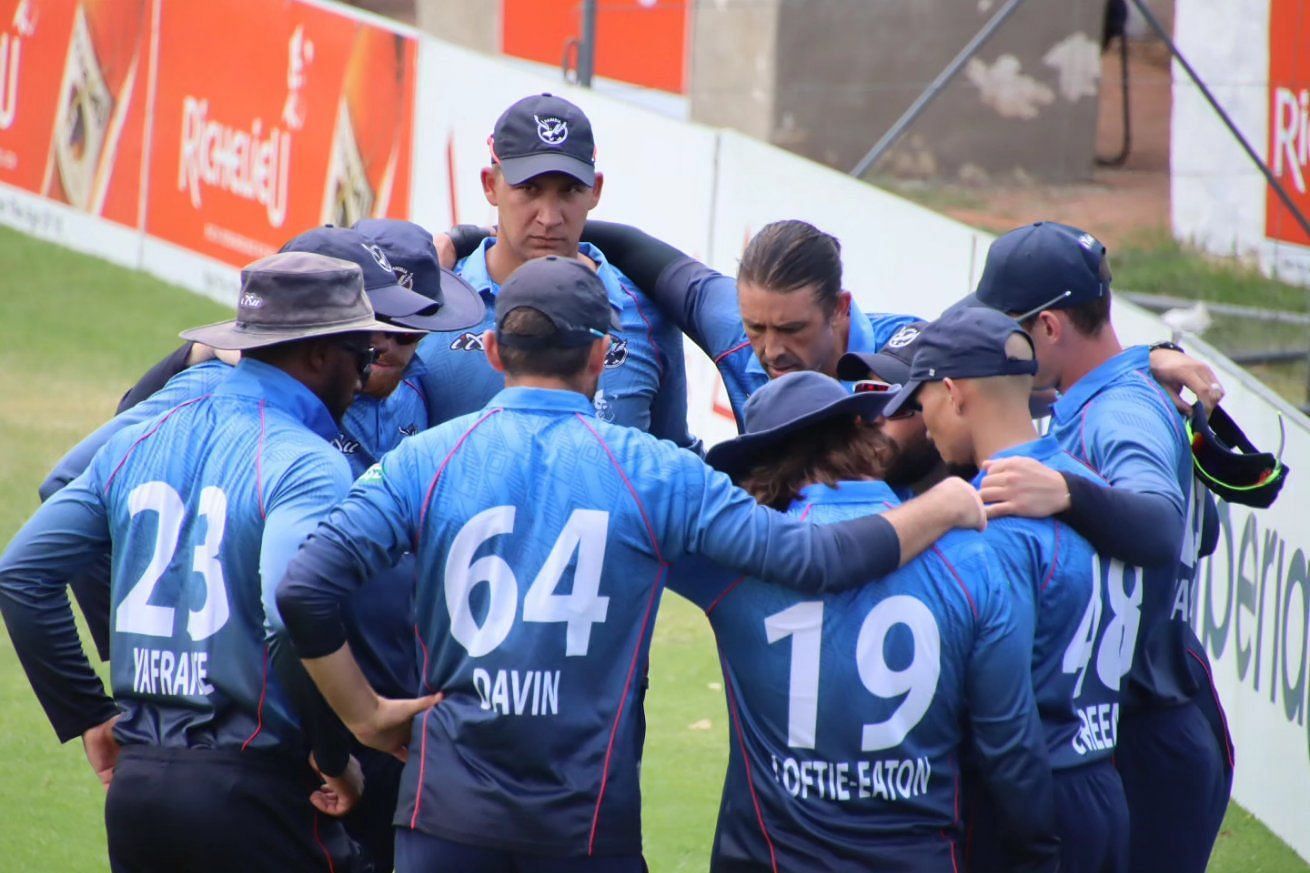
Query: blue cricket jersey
[
  {"x": 644, "y": 384},
  {"x": 1080, "y": 610},
  {"x": 201, "y": 509},
  {"x": 1119, "y": 422},
  {"x": 703, "y": 302},
  {"x": 380, "y": 615},
  {"x": 849, "y": 712},
  {"x": 542, "y": 538}
]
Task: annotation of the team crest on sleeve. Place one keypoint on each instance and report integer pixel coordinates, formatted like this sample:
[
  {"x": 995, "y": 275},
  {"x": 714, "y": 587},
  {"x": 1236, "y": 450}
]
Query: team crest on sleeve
[
  {"x": 903, "y": 337},
  {"x": 604, "y": 410},
  {"x": 408, "y": 430},
  {"x": 372, "y": 474},
  {"x": 467, "y": 342},
  {"x": 552, "y": 130},
  {"x": 617, "y": 355}
]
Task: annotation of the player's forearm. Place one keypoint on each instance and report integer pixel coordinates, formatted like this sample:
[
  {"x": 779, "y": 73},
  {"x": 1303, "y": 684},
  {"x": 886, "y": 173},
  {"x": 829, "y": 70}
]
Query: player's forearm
[
  {"x": 44, "y": 635},
  {"x": 1140, "y": 529},
  {"x": 345, "y": 688}
]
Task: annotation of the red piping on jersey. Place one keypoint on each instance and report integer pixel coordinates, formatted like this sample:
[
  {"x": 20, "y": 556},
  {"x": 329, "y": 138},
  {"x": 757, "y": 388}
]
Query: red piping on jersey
[
  {"x": 645, "y": 627},
  {"x": 641, "y": 508},
  {"x": 949, "y": 566},
  {"x": 259, "y": 711},
  {"x": 259, "y": 463},
  {"x": 741, "y": 742},
  {"x": 145, "y": 436},
  {"x": 424, "y": 646},
  {"x": 623, "y": 699},
  {"x": 319, "y": 843},
  {"x": 432, "y": 486},
  {"x": 1223, "y": 718},
  {"x": 1055, "y": 555},
  {"x": 732, "y": 586},
  {"x": 422, "y": 767},
  {"x": 650, "y": 332},
  {"x": 738, "y": 347}
]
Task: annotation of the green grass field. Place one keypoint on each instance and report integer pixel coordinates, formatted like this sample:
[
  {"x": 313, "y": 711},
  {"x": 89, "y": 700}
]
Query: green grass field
[{"x": 74, "y": 333}]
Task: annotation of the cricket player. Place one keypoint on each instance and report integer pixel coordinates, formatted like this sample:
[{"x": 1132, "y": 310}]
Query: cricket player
[
  {"x": 205, "y": 744},
  {"x": 1079, "y": 610},
  {"x": 1174, "y": 752},
  {"x": 850, "y": 713},
  {"x": 543, "y": 537},
  {"x": 389, "y": 408},
  {"x": 543, "y": 181}
]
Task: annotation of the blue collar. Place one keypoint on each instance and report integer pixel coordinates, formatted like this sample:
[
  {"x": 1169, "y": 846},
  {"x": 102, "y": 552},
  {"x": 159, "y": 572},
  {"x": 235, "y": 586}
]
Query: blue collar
[
  {"x": 543, "y": 400},
  {"x": 473, "y": 270},
  {"x": 860, "y": 338},
  {"x": 1040, "y": 449},
  {"x": 259, "y": 381},
  {"x": 862, "y": 491},
  {"x": 1135, "y": 358}
]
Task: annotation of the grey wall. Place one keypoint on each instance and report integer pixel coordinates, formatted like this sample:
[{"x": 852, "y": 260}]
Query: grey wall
[
  {"x": 471, "y": 23},
  {"x": 841, "y": 72}
]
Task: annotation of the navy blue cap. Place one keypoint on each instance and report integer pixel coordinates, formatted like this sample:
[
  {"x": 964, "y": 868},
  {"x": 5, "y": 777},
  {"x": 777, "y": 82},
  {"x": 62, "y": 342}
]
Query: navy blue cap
[
  {"x": 390, "y": 300},
  {"x": 964, "y": 344},
  {"x": 409, "y": 249},
  {"x": 543, "y": 134},
  {"x": 1043, "y": 265},
  {"x": 890, "y": 364},
  {"x": 782, "y": 407},
  {"x": 566, "y": 291}
]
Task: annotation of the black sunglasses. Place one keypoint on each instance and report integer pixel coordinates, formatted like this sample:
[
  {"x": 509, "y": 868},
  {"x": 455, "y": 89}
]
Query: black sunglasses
[
  {"x": 873, "y": 386},
  {"x": 364, "y": 357}
]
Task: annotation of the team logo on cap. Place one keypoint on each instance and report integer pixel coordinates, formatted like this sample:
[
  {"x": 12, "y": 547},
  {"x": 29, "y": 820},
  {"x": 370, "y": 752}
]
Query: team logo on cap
[
  {"x": 404, "y": 278},
  {"x": 1087, "y": 241},
  {"x": 250, "y": 300},
  {"x": 467, "y": 342},
  {"x": 903, "y": 337},
  {"x": 617, "y": 355},
  {"x": 551, "y": 130},
  {"x": 379, "y": 256}
]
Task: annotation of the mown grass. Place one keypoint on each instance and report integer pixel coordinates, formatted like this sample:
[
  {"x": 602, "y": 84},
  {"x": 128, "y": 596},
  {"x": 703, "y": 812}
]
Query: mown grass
[{"x": 73, "y": 335}]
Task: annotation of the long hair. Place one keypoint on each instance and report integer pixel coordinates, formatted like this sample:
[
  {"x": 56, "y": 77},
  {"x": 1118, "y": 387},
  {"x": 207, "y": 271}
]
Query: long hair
[
  {"x": 787, "y": 255},
  {"x": 828, "y": 453}
]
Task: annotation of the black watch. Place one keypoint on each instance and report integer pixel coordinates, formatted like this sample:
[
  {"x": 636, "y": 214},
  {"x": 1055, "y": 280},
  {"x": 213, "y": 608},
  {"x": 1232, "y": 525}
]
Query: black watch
[{"x": 1166, "y": 344}]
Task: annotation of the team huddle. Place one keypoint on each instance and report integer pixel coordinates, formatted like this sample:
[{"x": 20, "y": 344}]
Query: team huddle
[{"x": 376, "y": 564}]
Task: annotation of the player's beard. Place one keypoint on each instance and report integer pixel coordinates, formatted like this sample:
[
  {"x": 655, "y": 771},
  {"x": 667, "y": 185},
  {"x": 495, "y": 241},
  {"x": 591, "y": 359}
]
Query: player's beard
[{"x": 912, "y": 462}]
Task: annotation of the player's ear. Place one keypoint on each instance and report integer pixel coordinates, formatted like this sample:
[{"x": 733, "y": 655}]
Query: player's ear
[
  {"x": 492, "y": 348},
  {"x": 490, "y": 175},
  {"x": 596, "y": 358},
  {"x": 843, "y": 309},
  {"x": 595, "y": 190},
  {"x": 955, "y": 391}
]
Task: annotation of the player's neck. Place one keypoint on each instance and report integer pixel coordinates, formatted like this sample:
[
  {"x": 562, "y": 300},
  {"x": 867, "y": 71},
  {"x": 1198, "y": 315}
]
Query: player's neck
[
  {"x": 1001, "y": 426},
  {"x": 1088, "y": 354},
  {"x": 551, "y": 383},
  {"x": 502, "y": 261}
]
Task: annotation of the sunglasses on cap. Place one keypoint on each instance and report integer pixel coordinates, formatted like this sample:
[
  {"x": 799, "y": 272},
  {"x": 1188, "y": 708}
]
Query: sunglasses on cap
[
  {"x": 874, "y": 386},
  {"x": 1229, "y": 465}
]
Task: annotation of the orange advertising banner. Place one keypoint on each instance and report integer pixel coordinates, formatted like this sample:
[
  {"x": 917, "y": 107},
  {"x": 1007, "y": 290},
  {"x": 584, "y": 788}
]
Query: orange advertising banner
[
  {"x": 1289, "y": 117},
  {"x": 73, "y": 89},
  {"x": 272, "y": 118}
]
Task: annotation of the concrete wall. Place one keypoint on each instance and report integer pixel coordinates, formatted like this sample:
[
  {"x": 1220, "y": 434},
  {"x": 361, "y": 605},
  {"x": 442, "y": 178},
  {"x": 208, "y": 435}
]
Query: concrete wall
[
  {"x": 474, "y": 24},
  {"x": 841, "y": 73}
]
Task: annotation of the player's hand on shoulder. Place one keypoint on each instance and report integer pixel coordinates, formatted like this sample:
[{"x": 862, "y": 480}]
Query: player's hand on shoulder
[
  {"x": 959, "y": 501},
  {"x": 338, "y": 794},
  {"x": 1176, "y": 371},
  {"x": 388, "y": 729},
  {"x": 102, "y": 750},
  {"x": 1022, "y": 486}
]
